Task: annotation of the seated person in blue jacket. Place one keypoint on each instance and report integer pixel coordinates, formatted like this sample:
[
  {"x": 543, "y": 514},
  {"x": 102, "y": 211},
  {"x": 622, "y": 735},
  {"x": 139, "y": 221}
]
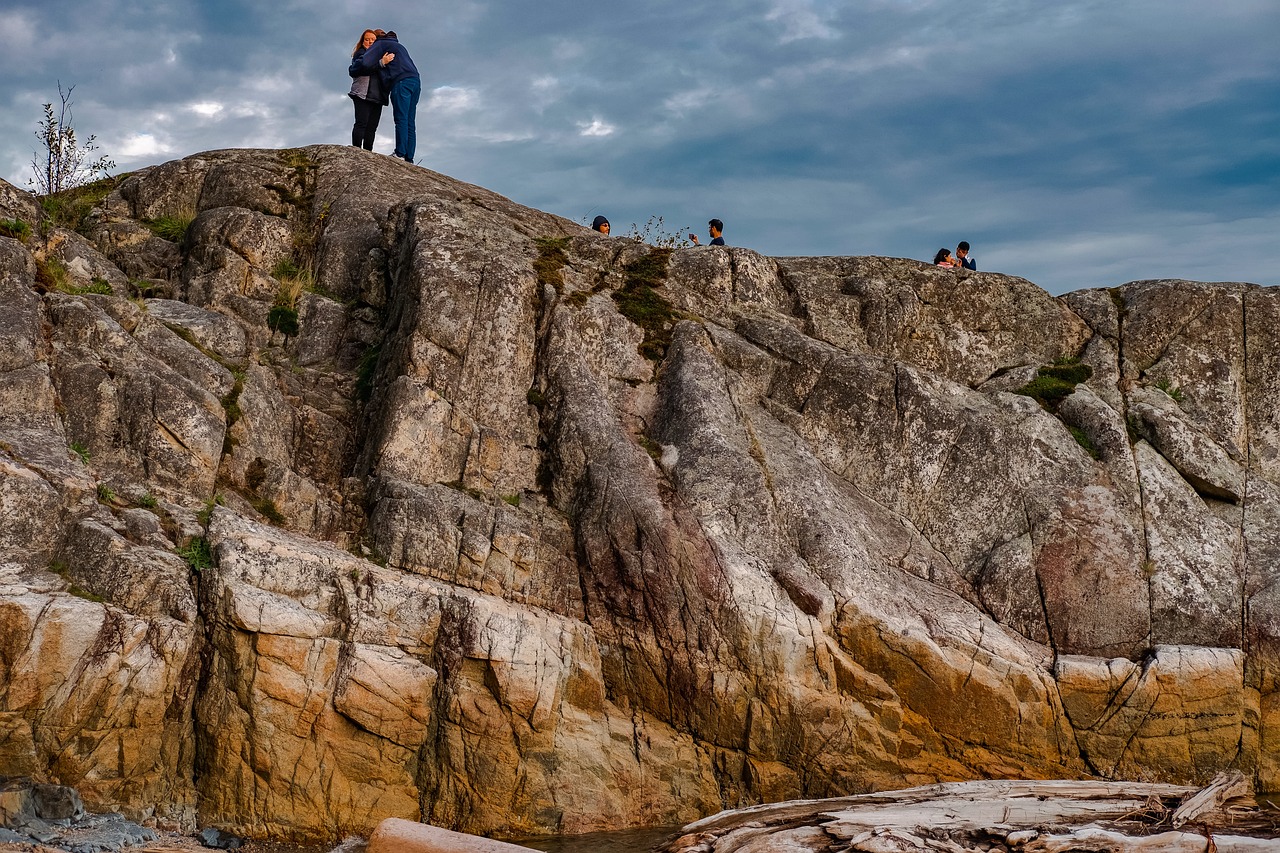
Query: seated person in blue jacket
[
  {"x": 962, "y": 256},
  {"x": 715, "y": 228},
  {"x": 400, "y": 80}
]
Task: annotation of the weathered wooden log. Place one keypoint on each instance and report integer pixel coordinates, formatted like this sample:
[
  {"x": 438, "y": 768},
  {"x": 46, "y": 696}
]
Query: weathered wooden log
[
  {"x": 959, "y": 817},
  {"x": 1225, "y": 786},
  {"x": 1012, "y": 802},
  {"x": 1101, "y": 840},
  {"x": 395, "y": 835}
]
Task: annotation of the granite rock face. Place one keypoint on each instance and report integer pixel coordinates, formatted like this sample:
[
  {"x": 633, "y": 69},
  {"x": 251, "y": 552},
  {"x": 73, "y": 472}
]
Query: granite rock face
[{"x": 375, "y": 494}]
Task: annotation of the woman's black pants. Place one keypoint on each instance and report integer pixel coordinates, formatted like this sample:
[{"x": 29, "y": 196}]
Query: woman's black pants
[{"x": 367, "y": 115}]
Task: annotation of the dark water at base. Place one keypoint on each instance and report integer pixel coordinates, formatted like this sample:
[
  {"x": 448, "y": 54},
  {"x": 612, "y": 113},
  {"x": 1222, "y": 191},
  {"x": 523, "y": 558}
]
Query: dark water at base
[{"x": 624, "y": 841}]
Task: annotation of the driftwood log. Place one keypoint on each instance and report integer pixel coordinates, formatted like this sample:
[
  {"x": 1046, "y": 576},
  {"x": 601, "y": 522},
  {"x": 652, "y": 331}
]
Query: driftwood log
[
  {"x": 395, "y": 835},
  {"x": 1030, "y": 816},
  {"x": 1226, "y": 787}
]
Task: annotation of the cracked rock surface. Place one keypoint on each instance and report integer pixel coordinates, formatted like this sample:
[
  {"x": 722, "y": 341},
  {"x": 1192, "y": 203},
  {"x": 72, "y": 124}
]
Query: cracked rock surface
[{"x": 526, "y": 530}]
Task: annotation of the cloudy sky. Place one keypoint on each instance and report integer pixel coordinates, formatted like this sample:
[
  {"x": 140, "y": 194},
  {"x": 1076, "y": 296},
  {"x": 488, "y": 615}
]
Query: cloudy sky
[{"x": 1079, "y": 143}]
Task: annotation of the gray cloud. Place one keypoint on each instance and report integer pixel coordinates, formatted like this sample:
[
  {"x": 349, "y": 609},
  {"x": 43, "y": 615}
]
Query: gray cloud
[{"x": 1077, "y": 144}]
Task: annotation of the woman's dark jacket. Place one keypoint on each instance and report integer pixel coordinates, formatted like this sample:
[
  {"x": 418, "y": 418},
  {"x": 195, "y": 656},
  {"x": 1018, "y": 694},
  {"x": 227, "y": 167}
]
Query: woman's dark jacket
[{"x": 375, "y": 91}]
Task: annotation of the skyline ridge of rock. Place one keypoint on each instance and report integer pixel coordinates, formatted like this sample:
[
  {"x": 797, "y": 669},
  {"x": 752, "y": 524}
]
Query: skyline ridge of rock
[{"x": 525, "y": 529}]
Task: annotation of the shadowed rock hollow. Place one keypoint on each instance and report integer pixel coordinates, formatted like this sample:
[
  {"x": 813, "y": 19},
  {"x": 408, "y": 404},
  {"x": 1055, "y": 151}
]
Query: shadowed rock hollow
[{"x": 523, "y": 529}]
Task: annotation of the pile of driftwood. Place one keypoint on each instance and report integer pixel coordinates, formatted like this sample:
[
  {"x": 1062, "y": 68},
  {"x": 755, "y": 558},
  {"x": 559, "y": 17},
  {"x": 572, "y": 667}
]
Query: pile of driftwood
[{"x": 1027, "y": 817}]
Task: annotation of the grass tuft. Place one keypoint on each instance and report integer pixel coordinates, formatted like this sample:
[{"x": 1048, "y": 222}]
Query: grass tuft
[
  {"x": 1174, "y": 392},
  {"x": 15, "y": 228},
  {"x": 172, "y": 227},
  {"x": 197, "y": 553},
  {"x": 231, "y": 405},
  {"x": 206, "y": 512},
  {"x": 71, "y": 208},
  {"x": 283, "y": 319},
  {"x": 52, "y": 274},
  {"x": 655, "y": 233}
]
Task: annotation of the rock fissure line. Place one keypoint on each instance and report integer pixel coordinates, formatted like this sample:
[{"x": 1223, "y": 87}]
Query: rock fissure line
[
  {"x": 1245, "y": 504},
  {"x": 1137, "y": 728},
  {"x": 977, "y": 650},
  {"x": 926, "y": 499},
  {"x": 1045, "y": 610},
  {"x": 1177, "y": 335}
]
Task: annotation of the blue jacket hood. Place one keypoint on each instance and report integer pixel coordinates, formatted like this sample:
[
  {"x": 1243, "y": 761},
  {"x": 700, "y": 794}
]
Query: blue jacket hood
[{"x": 395, "y": 70}]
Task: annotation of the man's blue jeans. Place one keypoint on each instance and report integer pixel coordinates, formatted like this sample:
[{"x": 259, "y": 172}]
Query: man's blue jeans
[{"x": 404, "y": 106}]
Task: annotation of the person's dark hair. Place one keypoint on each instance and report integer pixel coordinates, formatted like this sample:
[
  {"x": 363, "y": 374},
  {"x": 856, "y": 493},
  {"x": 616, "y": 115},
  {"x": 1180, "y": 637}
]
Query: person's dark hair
[
  {"x": 942, "y": 255},
  {"x": 716, "y": 224},
  {"x": 597, "y": 222},
  {"x": 391, "y": 34},
  {"x": 963, "y": 247}
]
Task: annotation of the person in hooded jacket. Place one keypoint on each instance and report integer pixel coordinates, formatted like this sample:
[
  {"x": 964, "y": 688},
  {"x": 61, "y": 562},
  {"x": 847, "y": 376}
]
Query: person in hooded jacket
[
  {"x": 402, "y": 84},
  {"x": 366, "y": 93}
]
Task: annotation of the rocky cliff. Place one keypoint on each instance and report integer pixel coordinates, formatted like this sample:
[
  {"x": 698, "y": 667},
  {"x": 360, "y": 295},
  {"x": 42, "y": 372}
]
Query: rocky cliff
[{"x": 333, "y": 489}]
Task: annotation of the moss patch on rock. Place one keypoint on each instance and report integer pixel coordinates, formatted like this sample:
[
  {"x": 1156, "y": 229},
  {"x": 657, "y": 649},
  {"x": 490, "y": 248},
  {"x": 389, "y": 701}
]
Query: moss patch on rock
[
  {"x": 550, "y": 261},
  {"x": 639, "y": 301},
  {"x": 1055, "y": 382},
  {"x": 283, "y": 319}
]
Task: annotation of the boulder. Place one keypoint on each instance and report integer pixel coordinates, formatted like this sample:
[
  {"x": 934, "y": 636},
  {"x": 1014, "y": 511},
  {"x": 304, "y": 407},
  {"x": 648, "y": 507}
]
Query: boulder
[{"x": 1185, "y": 708}]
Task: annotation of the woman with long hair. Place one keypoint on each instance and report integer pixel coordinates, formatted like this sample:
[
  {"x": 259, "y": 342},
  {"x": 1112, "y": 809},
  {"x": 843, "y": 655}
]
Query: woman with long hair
[{"x": 366, "y": 93}]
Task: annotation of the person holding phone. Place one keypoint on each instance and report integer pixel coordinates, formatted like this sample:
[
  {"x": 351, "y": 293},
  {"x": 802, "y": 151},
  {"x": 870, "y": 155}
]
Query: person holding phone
[{"x": 715, "y": 228}]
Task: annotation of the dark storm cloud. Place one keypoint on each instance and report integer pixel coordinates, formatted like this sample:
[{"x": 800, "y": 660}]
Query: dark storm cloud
[{"x": 1076, "y": 144}]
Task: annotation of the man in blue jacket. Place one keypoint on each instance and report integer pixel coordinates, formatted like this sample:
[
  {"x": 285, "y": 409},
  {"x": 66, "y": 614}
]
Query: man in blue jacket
[
  {"x": 400, "y": 79},
  {"x": 715, "y": 228}
]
